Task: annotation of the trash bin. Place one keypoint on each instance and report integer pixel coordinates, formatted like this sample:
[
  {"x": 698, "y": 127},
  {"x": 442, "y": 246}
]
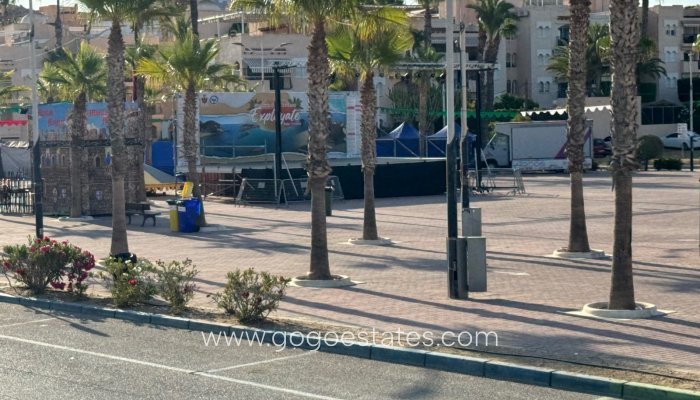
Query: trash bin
[
  {"x": 329, "y": 200},
  {"x": 173, "y": 215},
  {"x": 188, "y": 212}
]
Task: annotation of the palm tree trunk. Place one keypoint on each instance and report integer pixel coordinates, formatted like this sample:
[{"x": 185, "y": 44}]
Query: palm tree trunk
[
  {"x": 115, "y": 100},
  {"x": 189, "y": 138},
  {"x": 144, "y": 123},
  {"x": 317, "y": 165},
  {"x": 423, "y": 120},
  {"x": 645, "y": 17},
  {"x": 624, "y": 37},
  {"x": 77, "y": 134},
  {"x": 427, "y": 23},
  {"x": 191, "y": 147},
  {"x": 194, "y": 16},
  {"x": 576, "y": 103},
  {"x": 368, "y": 131},
  {"x": 58, "y": 26}
]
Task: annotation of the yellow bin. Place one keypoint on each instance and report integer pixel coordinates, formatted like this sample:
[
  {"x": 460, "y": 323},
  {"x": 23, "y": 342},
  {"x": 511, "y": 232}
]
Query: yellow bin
[{"x": 173, "y": 216}]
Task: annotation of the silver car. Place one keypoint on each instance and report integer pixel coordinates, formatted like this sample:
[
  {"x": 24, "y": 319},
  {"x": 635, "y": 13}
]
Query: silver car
[{"x": 677, "y": 141}]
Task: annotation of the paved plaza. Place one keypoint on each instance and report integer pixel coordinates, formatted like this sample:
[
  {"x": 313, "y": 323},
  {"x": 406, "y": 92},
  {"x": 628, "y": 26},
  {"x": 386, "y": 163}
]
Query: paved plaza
[{"x": 404, "y": 286}]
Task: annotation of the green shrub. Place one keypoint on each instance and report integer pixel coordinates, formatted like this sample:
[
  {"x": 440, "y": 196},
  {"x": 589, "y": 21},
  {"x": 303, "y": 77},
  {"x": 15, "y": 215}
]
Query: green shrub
[
  {"x": 44, "y": 262},
  {"x": 649, "y": 147},
  {"x": 129, "y": 283},
  {"x": 250, "y": 295},
  {"x": 174, "y": 283},
  {"x": 668, "y": 163}
]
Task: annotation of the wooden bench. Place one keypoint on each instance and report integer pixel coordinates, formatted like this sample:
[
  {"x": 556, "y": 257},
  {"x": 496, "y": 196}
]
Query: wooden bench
[{"x": 142, "y": 209}]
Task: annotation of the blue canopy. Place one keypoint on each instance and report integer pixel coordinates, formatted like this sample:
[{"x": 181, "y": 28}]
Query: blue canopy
[
  {"x": 442, "y": 133},
  {"x": 404, "y": 131}
]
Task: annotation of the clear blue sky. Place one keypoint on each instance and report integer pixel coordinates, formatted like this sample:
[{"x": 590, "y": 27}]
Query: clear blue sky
[{"x": 38, "y": 3}]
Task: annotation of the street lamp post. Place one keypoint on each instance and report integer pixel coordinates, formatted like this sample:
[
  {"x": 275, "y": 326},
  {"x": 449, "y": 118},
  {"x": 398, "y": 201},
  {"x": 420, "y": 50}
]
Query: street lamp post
[
  {"x": 692, "y": 132},
  {"x": 464, "y": 143},
  {"x": 277, "y": 83},
  {"x": 36, "y": 147}
]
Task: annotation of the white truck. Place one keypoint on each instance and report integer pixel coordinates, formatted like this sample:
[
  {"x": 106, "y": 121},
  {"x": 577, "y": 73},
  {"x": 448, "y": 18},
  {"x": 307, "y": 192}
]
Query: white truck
[{"x": 534, "y": 146}]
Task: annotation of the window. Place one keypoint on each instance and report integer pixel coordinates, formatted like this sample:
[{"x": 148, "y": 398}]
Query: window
[
  {"x": 512, "y": 60},
  {"x": 671, "y": 81},
  {"x": 508, "y": 64},
  {"x": 671, "y": 54},
  {"x": 514, "y": 87},
  {"x": 671, "y": 27},
  {"x": 541, "y": 87},
  {"x": 509, "y": 87},
  {"x": 540, "y": 59},
  {"x": 546, "y": 87}
]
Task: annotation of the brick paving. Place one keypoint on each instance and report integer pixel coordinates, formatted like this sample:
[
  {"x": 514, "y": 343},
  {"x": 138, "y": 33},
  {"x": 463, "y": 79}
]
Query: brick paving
[{"x": 404, "y": 286}]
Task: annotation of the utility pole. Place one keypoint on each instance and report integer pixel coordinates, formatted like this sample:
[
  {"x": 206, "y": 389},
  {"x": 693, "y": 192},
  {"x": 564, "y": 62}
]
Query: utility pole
[
  {"x": 692, "y": 131},
  {"x": 452, "y": 268},
  {"x": 36, "y": 147},
  {"x": 464, "y": 143},
  {"x": 278, "y": 129}
]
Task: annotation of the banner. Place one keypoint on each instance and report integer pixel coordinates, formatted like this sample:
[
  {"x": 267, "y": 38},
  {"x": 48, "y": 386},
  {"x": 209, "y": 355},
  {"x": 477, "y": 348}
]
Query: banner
[
  {"x": 243, "y": 123},
  {"x": 53, "y": 117}
]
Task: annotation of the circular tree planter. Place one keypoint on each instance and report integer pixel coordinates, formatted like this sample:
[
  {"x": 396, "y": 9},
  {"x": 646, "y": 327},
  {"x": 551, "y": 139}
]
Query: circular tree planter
[
  {"x": 589, "y": 255},
  {"x": 336, "y": 282},
  {"x": 378, "y": 242},
  {"x": 80, "y": 219},
  {"x": 600, "y": 310}
]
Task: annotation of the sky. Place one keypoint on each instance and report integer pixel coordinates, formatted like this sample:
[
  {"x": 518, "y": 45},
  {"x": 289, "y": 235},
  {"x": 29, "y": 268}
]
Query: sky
[{"x": 38, "y": 3}]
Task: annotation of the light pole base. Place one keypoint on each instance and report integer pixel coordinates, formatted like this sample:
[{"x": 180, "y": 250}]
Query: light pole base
[{"x": 471, "y": 222}]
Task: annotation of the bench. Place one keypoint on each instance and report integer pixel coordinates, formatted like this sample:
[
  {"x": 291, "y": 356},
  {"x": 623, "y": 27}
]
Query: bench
[{"x": 142, "y": 209}]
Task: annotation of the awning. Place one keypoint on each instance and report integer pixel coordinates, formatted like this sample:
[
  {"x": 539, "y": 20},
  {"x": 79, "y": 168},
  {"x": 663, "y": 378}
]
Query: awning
[
  {"x": 13, "y": 122},
  {"x": 561, "y": 111},
  {"x": 156, "y": 179}
]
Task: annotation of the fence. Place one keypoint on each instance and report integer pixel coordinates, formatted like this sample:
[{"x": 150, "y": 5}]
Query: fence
[
  {"x": 16, "y": 196},
  {"x": 288, "y": 190}
]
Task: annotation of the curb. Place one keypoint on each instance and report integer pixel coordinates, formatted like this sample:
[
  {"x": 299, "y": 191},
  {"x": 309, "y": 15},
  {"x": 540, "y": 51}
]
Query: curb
[{"x": 482, "y": 367}]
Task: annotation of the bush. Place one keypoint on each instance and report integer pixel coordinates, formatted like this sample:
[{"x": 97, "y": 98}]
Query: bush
[
  {"x": 668, "y": 163},
  {"x": 175, "y": 283},
  {"x": 44, "y": 262},
  {"x": 649, "y": 147},
  {"x": 129, "y": 283},
  {"x": 250, "y": 295}
]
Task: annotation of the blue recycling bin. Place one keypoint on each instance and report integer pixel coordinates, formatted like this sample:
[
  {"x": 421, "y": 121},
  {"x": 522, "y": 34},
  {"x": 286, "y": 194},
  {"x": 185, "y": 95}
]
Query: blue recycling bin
[{"x": 188, "y": 212}]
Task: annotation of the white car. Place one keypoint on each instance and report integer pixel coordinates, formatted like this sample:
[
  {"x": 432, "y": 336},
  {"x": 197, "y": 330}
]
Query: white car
[{"x": 676, "y": 141}]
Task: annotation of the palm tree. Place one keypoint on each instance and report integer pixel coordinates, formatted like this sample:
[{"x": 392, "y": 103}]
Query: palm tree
[
  {"x": 624, "y": 35},
  {"x": 80, "y": 77},
  {"x": 377, "y": 40},
  {"x": 576, "y": 103},
  {"x": 6, "y": 92},
  {"x": 187, "y": 67},
  {"x": 496, "y": 20},
  {"x": 425, "y": 54},
  {"x": 118, "y": 12},
  {"x": 58, "y": 26},
  {"x": 318, "y": 14},
  {"x": 649, "y": 66},
  {"x": 194, "y": 17}
]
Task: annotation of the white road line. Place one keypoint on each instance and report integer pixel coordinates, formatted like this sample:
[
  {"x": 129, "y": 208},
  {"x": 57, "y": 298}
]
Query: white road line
[
  {"x": 36, "y": 321},
  {"x": 211, "y": 371},
  {"x": 168, "y": 368}
]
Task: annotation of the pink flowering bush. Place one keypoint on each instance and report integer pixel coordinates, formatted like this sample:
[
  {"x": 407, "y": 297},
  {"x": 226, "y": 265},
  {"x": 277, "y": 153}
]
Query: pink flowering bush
[
  {"x": 251, "y": 295},
  {"x": 43, "y": 262}
]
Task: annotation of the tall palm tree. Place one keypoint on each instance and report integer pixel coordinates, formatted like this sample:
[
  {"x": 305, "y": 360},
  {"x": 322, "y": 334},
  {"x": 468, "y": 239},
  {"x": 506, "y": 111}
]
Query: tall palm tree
[
  {"x": 318, "y": 14},
  {"x": 425, "y": 54},
  {"x": 375, "y": 41},
  {"x": 118, "y": 12},
  {"x": 496, "y": 20},
  {"x": 58, "y": 26},
  {"x": 575, "y": 104},
  {"x": 80, "y": 76},
  {"x": 624, "y": 36},
  {"x": 187, "y": 67},
  {"x": 194, "y": 17}
]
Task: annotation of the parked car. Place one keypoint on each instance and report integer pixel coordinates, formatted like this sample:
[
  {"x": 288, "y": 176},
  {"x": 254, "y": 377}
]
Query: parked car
[
  {"x": 601, "y": 148},
  {"x": 676, "y": 141}
]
